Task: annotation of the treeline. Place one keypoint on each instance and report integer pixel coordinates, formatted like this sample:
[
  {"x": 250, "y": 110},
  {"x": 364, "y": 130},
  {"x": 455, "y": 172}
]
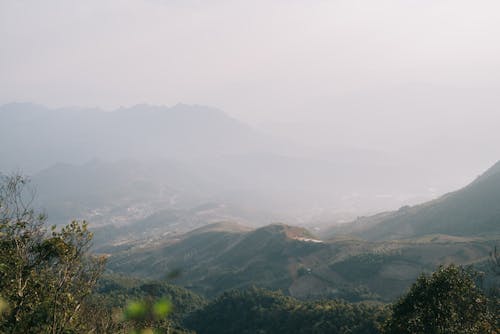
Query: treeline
[
  {"x": 261, "y": 311},
  {"x": 448, "y": 301}
]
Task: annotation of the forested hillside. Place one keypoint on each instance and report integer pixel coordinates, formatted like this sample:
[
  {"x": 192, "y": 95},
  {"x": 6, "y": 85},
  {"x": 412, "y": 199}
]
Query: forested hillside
[
  {"x": 225, "y": 256},
  {"x": 52, "y": 283},
  {"x": 261, "y": 311}
]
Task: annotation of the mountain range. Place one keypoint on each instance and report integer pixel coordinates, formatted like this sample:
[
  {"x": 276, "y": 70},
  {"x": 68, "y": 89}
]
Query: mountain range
[
  {"x": 156, "y": 182},
  {"x": 130, "y": 163},
  {"x": 38, "y": 136},
  {"x": 374, "y": 258},
  {"x": 226, "y": 256}
]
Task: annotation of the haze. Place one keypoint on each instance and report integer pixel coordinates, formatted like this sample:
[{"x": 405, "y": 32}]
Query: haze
[{"x": 417, "y": 80}]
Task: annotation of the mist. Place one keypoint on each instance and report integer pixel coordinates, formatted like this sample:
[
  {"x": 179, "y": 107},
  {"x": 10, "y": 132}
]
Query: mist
[
  {"x": 346, "y": 99},
  {"x": 230, "y": 166}
]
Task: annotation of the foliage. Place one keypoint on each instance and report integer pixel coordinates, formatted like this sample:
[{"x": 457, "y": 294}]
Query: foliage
[
  {"x": 357, "y": 267},
  {"x": 263, "y": 311},
  {"x": 117, "y": 298},
  {"x": 4, "y": 307},
  {"x": 449, "y": 301},
  {"x": 149, "y": 315},
  {"x": 44, "y": 278}
]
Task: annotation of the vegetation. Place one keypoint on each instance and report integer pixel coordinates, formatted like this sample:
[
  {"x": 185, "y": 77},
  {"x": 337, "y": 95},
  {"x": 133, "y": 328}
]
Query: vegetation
[
  {"x": 44, "y": 278},
  {"x": 362, "y": 265},
  {"x": 261, "y": 311},
  {"x": 217, "y": 258},
  {"x": 220, "y": 258},
  {"x": 50, "y": 283},
  {"x": 449, "y": 301},
  {"x": 115, "y": 294}
]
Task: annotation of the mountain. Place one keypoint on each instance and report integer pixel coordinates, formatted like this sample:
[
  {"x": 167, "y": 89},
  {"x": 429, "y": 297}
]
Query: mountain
[
  {"x": 39, "y": 137},
  {"x": 220, "y": 256},
  {"x": 116, "y": 192},
  {"x": 471, "y": 211},
  {"x": 127, "y": 200},
  {"x": 257, "y": 188},
  {"x": 226, "y": 162},
  {"x": 223, "y": 256}
]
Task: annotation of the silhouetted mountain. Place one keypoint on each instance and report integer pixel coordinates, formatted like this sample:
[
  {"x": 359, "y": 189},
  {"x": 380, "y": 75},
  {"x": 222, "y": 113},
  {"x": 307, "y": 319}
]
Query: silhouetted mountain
[{"x": 39, "y": 137}]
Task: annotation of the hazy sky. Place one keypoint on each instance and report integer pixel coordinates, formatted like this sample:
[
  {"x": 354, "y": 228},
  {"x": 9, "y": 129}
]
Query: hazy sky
[{"x": 405, "y": 74}]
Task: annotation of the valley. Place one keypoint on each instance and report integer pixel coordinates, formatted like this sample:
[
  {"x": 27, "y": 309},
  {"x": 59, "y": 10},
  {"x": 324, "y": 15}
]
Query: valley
[
  {"x": 244, "y": 225},
  {"x": 249, "y": 167},
  {"x": 348, "y": 264}
]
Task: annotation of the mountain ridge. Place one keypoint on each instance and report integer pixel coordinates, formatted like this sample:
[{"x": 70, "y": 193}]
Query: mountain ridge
[
  {"x": 469, "y": 211},
  {"x": 76, "y": 135},
  {"x": 217, "y": 258}
]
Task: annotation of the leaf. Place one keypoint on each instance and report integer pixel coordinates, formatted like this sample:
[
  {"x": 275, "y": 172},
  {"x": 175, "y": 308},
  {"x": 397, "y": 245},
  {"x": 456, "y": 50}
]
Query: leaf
[
  {"x": 135, "y": 310},
  {"x": 162, "y": 308}
]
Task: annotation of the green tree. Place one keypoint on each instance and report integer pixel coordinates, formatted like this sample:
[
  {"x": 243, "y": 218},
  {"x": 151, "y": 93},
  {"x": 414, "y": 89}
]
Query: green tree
[
  {"x": 44, "y": 277},
  {"x": 258, "y": 310},
  {"x": 448, "y": 301}
]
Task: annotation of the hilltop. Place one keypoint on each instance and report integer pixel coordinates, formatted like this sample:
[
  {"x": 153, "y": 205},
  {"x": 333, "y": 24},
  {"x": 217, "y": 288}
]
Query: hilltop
[
  {"x": 221, "y": 256},
  {"x": 224, "y": 256}
]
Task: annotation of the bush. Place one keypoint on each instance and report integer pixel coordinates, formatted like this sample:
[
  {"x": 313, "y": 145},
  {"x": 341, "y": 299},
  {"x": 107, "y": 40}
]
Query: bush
[{"x": 449, "y": 301}]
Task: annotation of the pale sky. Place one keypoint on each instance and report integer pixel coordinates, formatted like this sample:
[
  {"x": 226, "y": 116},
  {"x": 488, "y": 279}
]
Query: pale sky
[{"x": 404, "y": 74}]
